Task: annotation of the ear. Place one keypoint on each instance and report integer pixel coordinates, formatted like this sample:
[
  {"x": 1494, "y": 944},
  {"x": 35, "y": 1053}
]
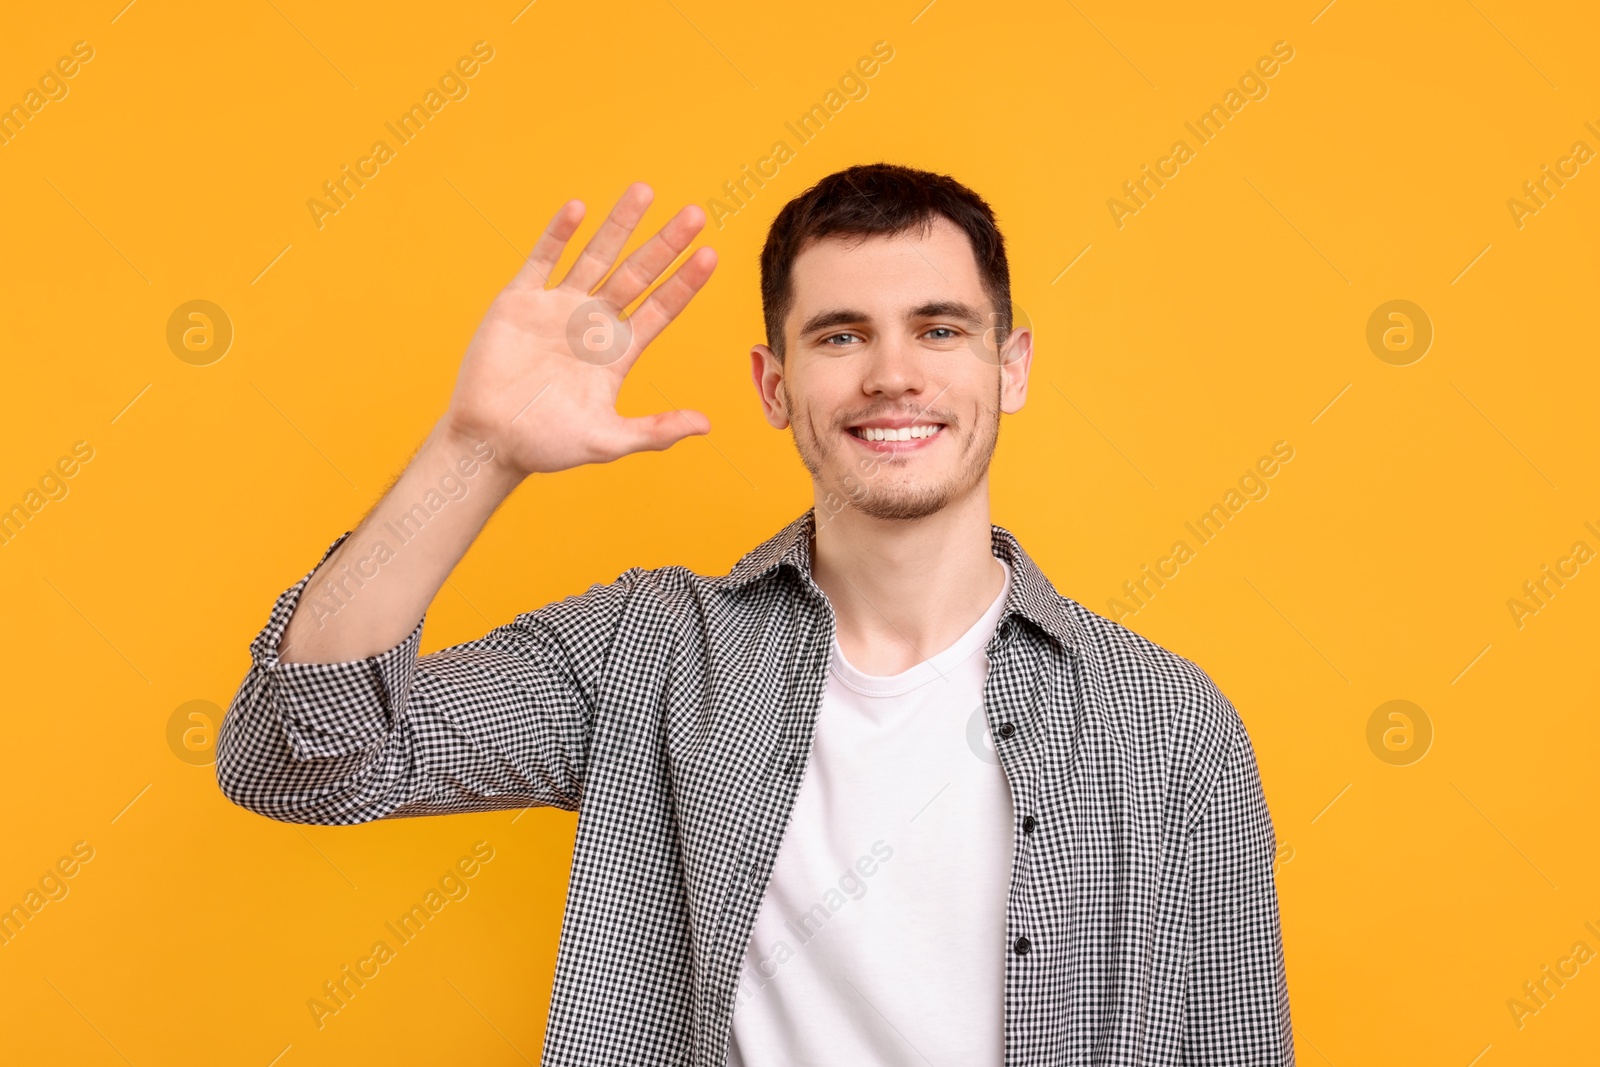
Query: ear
[
  {"x": 767, "y": 372},
  {"x": 1015, "y": 360}
]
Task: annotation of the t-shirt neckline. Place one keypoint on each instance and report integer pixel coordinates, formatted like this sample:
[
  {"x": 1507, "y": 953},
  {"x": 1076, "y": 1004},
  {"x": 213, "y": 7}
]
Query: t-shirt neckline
[{"x": 935, "y": 666}]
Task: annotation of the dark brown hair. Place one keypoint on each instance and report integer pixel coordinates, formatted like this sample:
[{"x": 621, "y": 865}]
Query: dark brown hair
[{"x": 878, "y": 199}]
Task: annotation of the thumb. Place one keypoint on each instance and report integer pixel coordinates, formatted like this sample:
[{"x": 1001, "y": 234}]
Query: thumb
[{"x": 652, "y": 433}]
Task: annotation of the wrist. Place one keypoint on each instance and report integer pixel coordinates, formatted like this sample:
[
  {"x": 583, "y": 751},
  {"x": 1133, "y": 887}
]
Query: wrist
[{"x": 472, "y": 457}]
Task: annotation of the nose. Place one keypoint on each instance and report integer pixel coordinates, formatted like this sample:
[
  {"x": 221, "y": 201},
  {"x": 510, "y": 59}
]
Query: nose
[{"x": 893, "y": 367}]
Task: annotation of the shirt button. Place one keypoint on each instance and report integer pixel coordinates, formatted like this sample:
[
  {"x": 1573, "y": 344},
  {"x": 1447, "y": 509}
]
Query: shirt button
[
  {"x": 1007, "y": 729},
  {"x": 1022, "y": 946},
  {"x": 750, "y": 875},
  {"x": 1028, "y": 823}
]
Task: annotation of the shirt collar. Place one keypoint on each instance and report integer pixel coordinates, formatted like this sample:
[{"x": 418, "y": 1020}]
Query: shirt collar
[{"x": 1032, "y": 595}]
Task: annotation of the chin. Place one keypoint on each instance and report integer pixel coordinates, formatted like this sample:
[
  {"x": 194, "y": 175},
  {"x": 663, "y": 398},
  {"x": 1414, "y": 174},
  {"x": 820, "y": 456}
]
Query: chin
[
  {"x": 905, "y": 508},
  {"x": 891, "y": 503}
]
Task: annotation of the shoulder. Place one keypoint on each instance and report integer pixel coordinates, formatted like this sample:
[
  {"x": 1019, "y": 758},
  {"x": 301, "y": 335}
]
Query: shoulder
[
  {"x": 676, "y": 599},
  {"x": 1158, "y": 701}
]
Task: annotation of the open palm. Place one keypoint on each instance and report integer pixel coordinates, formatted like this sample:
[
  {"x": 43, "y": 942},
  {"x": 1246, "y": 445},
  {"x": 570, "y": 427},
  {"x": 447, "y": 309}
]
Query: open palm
[{"x": 541, "y": 375}]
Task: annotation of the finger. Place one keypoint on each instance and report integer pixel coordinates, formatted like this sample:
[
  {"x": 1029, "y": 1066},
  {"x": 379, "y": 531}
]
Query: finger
[
  {"x": 668, "y": 300},
  {"x": 645, "y": 265},
  {"x": 606, "y": 244},
  {"x": 653, "y": 433},
  {"x": 535, "y": 271}
]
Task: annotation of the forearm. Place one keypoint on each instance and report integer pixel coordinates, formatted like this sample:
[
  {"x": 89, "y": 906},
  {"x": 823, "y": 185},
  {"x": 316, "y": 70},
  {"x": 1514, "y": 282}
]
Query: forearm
[
  {"x": 498, "y": 722},
  {"x": 371, "y": 592}
]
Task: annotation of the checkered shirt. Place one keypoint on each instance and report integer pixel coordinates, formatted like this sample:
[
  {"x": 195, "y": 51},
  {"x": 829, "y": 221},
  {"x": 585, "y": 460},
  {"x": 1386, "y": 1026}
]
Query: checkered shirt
[{"x": 674, "y": 713}]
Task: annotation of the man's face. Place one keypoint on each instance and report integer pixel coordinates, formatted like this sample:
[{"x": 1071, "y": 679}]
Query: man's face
[{"x": 892, "y": 382}]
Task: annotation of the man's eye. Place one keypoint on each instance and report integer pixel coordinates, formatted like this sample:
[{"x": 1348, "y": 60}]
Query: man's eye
[
  {"x": 826, "y": 340},
  {"x": 949, "y": 333}
]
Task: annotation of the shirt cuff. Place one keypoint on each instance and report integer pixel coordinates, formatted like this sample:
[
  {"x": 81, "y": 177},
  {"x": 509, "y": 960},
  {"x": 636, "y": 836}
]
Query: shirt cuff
[{"x": 334, "y": 709}]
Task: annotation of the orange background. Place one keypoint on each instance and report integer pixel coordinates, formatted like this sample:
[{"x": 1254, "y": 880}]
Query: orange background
[{"x": 1229, "y": 313}]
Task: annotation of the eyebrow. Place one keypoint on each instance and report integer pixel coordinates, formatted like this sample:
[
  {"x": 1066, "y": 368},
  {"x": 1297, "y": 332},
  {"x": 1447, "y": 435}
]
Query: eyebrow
[{"x": 932, "y": 309}]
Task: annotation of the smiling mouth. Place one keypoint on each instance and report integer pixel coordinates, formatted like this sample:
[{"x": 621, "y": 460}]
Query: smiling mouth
[{"x": 920, "y": 431}]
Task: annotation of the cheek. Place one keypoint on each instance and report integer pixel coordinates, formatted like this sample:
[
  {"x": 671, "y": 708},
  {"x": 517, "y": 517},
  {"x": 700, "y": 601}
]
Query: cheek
[
  {"x": 819, "y": 433},
  {"x": 816, "y": 401},
  {"x": 980, "y": 423}
]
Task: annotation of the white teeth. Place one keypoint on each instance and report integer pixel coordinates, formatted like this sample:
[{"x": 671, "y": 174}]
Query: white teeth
[{"x": 903, "y": 433}]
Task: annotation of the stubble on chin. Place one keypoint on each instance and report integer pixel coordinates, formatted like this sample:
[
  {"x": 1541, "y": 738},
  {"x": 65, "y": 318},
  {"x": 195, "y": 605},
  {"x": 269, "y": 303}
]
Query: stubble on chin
[{"x": 879, "y": 494}]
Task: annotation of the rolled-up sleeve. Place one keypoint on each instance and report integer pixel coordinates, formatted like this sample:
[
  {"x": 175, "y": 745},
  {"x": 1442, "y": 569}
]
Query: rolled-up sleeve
[
  {"x": 1237, "y": 999},
  {"x": 499, "y": 722}
]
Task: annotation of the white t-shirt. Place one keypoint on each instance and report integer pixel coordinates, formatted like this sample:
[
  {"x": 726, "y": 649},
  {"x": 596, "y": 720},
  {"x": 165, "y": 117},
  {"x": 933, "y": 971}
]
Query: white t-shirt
[{"x": 881, "y": 936}]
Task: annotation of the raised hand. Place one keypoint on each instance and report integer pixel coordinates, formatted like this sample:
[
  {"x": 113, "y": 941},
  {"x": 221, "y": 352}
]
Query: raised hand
[{"x": 540, "y": 377}]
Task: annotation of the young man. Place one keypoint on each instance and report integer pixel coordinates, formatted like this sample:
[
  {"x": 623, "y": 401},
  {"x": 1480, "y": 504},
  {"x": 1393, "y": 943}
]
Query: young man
[{"x": 878, "y": 795}]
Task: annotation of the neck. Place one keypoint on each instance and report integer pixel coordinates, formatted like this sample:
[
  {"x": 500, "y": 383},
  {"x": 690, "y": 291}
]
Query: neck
[{"x": 904, "y": 590}]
